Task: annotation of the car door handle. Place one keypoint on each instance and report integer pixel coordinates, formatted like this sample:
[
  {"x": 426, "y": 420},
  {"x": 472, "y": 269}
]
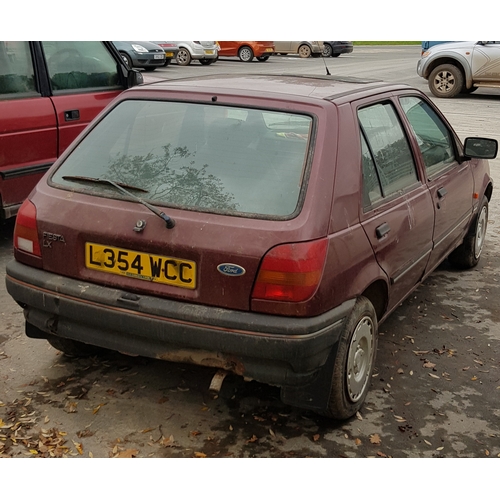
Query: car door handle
[
  {"x": 382, "y": 230},
  {"x": 441, "y": 192},
  {"x": 72, "y": 115}
]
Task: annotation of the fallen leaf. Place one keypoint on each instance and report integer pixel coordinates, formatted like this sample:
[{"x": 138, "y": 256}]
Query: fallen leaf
[
  {"x": 168, "y": 441},
  {"x": 71, "y": 407},
  {"x": 428, "y": 364},
  {"x": 400, "y": 371},
  {"x": 195, "y": 433},
  {"x": 316, "y": 437},
  {"x": 259, "y": 419},
  {"x": 199, "y": 454},
  {"x": 97, "y": 408},
  {"x": 474, "y": 378},
  {"x": 479, "y": 362},
  {"x": 79, "y": 447},
  {"x": 427, "y": 442},
  {"x": 419, "y": 353},
  {"x": 375, "y": 439},
  {"x": 131, "y": 453},
  {"x": 252, "y": 439},
  {"x": 357, "y": 441},
  {"x": 380, "y": 454},
  {"x": 231, "y": 427},
  {"x": 272, "y": 433},
  {"x": 487, "y": 453},
  {"x": 440, "y": 448},
  {"x": 465, "y": 368},
  {"x": 359, "y": 416},
  {"x": 433, "y": 376}
]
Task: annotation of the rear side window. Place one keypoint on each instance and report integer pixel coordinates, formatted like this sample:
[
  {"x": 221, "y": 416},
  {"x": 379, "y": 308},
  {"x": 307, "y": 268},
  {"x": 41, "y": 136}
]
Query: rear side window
[
  {"x": 16, "y": 69},
  {"x": 386, "y": 153},
  {"x": 433, "y": 137},
  {"x": 80, "y": 65},
  {"x": 209, "y": 158}
]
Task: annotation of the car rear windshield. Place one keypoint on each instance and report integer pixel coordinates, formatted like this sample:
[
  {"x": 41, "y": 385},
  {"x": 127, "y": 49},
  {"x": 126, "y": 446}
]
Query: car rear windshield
[{"x": 214, "y": 158}]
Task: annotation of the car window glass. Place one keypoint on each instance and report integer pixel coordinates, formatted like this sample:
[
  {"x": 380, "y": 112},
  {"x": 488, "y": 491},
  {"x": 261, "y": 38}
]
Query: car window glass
[
  {"x": 433, "y": 137},
  {"x": 389, "y": 147},
  {"x": 210, "y": 158},
  {"x": 16, "y": 68},
  {"x": 372, "y": 191},
  {"x": 80, "y": 65}
]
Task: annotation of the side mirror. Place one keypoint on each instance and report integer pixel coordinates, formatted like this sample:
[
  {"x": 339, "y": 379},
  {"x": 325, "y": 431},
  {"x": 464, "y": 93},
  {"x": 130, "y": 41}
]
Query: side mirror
[
  {"x": 134, "y": 77},
  {"x": 479, "y": 147}
]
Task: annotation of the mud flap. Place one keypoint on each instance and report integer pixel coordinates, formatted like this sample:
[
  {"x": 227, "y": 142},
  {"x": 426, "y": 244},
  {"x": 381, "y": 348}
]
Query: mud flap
[{"x": 316, "y": 394}]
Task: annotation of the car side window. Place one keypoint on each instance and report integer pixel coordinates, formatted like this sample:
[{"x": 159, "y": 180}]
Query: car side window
[
  {"x": 80, "y": 65},
  {"x": 372, "y": 192},
  {"x": 433, "y": 137},
  {"x": 387, "y": 149},
  {"x": 16, "y": 68}
]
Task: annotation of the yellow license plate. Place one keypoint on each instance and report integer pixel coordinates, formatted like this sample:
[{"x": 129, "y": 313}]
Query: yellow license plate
[
  {"x": 209, "y": 52},
  {"x": 269, "y": 50},
  {"x": 169, "y": 54},
  {"x": 144, "y": 266}
]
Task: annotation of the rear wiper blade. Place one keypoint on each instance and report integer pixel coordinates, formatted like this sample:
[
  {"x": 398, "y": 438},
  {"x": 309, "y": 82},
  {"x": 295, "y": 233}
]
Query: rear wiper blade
[
  {"x": 97, "y": 180},
  {"x": 169, "y": 222}
]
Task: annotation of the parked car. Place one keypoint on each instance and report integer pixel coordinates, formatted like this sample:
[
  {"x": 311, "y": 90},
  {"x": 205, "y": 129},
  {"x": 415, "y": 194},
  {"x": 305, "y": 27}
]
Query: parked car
[
  {"x": 304, "y": 49},
  {"x": 460, "y": 67},
  {"x": 171, "y": 50},
  {"x": 246, "y": 51},
  {"x": 49, "y": 92},
  {"x": 263, "y": 225},
  {"x": 205, "y": 52},
  {"x": 145, "y": 55},
  {"x": 334, "y": 49}
]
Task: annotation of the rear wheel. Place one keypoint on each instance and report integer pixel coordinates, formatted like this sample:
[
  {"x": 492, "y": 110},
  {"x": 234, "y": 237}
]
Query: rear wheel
[
  {"x": 74, "y": 348},
  {"x": 467, "y": 254},
  {"x": 354, "y": 361},
  {"x": 183, "y": 57},
  {"x": 446, "y": 81},
  {"x": 262, "y": 58},
  {"x": 304, "y": 51},
  {"x": 245, "y": 54},
  {"x": 206, "y": 62},
  {"x": 327, "y": 50}
]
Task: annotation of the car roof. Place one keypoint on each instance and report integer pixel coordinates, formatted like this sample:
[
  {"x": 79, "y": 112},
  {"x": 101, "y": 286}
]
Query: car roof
[{"x": 329, "y": 87}]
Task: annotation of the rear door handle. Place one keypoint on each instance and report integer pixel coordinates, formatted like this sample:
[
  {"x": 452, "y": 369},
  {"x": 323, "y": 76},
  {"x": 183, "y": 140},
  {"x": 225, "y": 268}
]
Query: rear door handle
[
  {"x": 382, "y": 230},
  {"x": 72, "y": 115},
  {"x": 441, "y": 192}
]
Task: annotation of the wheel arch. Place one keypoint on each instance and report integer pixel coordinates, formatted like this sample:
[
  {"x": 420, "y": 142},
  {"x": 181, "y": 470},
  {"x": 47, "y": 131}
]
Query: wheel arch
[
  {"x": 377, "y": 294},
  {"x": 456, "y": 60}
]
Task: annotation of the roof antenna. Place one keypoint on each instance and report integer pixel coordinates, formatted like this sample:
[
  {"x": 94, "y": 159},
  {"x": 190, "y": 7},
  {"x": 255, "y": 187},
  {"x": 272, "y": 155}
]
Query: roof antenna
[{"x": 326, "y": 67}]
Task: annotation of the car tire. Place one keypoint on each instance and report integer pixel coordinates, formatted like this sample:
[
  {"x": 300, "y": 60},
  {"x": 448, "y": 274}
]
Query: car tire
[
  {"x": 446, "y": 80},
  {"x": 149, "y": 68},
  {"x": 327, "y": 50},
  {"x": 468, "y": 253},
  {"x": 262, "y": 58},
  {"x": 354, "y": 362},
  {"x": 183, "y": 57},
  {"x": 304, "y": 51},
  {"x": 245, "y": 54},
  {"x": 167, "y": 62},
  {"x": 206, "y": 62},
  {"x": 74, "y": 348},
  {"x": 127, "y": 59}
]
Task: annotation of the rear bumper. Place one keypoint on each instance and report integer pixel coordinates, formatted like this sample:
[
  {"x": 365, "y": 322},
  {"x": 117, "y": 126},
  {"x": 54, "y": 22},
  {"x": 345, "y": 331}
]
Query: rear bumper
[{"x": 288, "y": 352}]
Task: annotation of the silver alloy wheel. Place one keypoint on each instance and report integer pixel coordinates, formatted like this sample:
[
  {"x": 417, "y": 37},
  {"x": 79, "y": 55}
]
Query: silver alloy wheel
[
  {"x": 445, "y": 81},
  {"x": 482, "y": 222},
  {"x": 327, "y": 50},
  {"x": 245, "y": 54},
  {"x": 360, "y": 358},
  {"x": 183, "y": 57},
  {"x": 304, "y": 51}
]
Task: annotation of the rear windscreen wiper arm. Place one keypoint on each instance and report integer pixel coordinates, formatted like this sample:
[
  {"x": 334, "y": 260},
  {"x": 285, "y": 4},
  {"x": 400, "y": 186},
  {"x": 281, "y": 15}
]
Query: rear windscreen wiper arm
[{"x": 169, "y": 222}]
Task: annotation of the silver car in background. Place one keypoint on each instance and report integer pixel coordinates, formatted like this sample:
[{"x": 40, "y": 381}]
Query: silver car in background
[
  {"x": 304, "y": 49},
  {"x": 205, "y": 52}
]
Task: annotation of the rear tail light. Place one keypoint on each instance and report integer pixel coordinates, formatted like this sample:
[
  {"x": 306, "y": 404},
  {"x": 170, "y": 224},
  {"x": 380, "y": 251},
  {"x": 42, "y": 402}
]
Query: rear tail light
[
  {"x": 25, "y": 230},
  {"x": 291, "y": 272}
]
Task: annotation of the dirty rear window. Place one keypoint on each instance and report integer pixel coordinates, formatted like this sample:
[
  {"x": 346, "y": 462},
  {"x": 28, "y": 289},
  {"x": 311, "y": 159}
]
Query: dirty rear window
[{"x": 210, "y": 158}]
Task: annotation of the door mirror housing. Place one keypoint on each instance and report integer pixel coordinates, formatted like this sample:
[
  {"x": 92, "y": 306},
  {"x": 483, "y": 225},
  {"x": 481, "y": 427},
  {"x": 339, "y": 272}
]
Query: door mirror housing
[
  {"x": 479, "y": 147},
  {"x": 134, "y": 77}
]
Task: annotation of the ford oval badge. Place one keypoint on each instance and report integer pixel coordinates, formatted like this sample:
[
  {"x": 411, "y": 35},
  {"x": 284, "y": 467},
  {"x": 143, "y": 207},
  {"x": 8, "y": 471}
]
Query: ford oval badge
[{"x": 231, "y": 269}]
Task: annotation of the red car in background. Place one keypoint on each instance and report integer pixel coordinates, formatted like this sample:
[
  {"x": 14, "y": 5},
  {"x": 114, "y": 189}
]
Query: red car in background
[
  {"x": 49, "y": 92},
  {"x": 246, "y": 51}
]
